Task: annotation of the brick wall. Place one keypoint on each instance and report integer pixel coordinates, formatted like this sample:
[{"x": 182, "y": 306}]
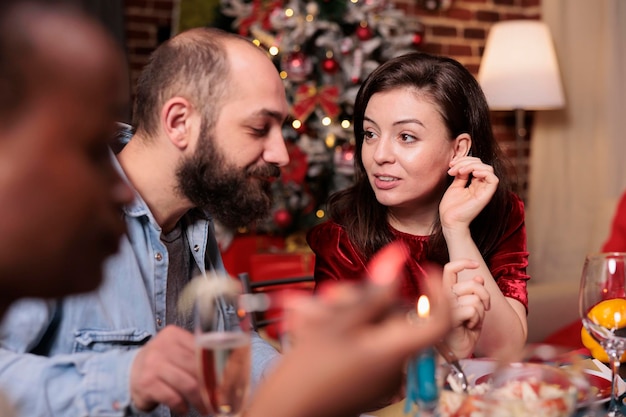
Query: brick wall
[{"x": 459, "y": 32}]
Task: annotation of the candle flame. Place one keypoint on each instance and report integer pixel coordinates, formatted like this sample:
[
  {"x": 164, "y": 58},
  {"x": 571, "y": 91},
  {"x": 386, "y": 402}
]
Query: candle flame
[{"x": 423, "y": 306}]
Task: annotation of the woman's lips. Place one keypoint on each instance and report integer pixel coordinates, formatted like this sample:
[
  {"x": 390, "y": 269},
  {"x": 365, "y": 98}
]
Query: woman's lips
[{"x": 385, "y": 182}]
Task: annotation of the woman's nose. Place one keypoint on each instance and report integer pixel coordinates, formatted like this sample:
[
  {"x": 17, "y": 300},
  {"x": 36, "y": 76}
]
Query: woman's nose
[{"x": 383, "y": 152}]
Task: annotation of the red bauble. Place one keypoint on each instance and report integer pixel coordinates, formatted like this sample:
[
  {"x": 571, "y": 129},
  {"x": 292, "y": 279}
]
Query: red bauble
[
  {"x": 298, "y": 66},
  {"x": 330, "y": 66},
  {"x": 418, "y": 38},
  {"x": 282, "y": 218},
  {"x": 363, "y": 33}
]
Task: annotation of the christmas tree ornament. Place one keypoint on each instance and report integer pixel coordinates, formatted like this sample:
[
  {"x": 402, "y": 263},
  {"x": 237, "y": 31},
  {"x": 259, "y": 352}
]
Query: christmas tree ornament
[
  {"x": 308, "y": 97},
  {"x": 257, "y": 14},
  {"x": 330, "y": 66},
  {"x": 357, "y": 66},
  {"x": 417, "y": 39},
  {"x": 297, "y": 65},
  {"x": 363, "y": 32},
  {"x": 282, "y": 218}
]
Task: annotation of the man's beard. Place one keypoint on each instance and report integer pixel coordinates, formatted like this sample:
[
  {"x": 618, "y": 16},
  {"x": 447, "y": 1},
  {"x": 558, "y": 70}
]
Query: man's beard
[{"x": 233, "y": 197}]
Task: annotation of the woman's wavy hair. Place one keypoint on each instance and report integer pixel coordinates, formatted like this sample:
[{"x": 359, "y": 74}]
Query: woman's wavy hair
[{"x": 464, "y": 109}]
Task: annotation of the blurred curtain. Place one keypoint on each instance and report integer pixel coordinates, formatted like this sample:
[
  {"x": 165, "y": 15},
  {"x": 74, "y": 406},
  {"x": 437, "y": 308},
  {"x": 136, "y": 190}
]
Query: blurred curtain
[{"x": 578, "y": 154}]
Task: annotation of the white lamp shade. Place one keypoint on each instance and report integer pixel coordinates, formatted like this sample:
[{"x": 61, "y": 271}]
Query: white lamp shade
[{"x": 519, "y": 68}]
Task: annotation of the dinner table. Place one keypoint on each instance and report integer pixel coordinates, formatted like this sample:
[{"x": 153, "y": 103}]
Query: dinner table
[{"x": 598, "y": 374}]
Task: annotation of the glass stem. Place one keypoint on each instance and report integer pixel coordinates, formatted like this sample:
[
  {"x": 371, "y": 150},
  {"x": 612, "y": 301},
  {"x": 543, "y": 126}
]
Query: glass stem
[{"x": 614, "y": 407}]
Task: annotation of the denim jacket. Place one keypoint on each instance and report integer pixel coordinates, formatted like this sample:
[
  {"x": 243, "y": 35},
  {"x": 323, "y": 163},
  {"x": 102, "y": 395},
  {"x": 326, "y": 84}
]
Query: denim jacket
[{"x": 72, "y": 357}]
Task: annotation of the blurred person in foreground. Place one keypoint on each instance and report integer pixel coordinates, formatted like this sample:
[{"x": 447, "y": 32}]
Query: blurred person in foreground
[
  {"x": 60, "y": 196},
  {"x": 344, "y": 354},
  {"x": 207, "y": 143}
]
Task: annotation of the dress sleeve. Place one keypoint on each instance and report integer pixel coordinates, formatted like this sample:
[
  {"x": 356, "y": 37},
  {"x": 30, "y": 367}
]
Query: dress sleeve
[
  {"x": 509, "y": 261},
  {"x": 335, "y": 257}
]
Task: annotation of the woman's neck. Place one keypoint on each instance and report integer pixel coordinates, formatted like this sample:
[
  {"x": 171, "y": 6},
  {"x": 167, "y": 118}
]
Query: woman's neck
[{"x": 413, "y": 222}]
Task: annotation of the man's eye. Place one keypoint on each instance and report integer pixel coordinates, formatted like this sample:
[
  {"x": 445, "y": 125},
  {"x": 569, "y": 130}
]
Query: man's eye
[{"x": 260, "y": 131}]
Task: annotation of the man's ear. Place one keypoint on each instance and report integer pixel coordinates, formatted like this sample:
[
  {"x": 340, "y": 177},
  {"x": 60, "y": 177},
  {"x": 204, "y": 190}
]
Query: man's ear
[
  {"x": 176, "y": 119},
  {"x": 463, "y": 145}
]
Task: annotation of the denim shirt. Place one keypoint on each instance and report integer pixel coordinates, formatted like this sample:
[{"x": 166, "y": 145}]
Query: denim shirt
[{"x": 72, "y": 357}]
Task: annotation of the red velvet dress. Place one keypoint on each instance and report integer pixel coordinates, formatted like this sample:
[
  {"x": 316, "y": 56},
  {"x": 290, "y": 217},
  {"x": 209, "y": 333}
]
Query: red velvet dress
[
  {"x": 336, "y": 259},
  {"x": 616, "y": 241}
]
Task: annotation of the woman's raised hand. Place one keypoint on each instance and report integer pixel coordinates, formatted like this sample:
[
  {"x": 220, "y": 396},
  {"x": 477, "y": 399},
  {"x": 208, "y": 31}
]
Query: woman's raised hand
[{"x": 461, "y": 203}]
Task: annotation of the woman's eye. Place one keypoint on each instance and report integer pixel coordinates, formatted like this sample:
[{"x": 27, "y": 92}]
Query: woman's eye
[
  {"x": 368, "y": 135},
  {"x": 405, "y": 137}
]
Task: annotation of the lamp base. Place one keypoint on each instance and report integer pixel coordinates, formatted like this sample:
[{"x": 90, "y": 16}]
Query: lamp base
[{"x": 520, "y": 136}]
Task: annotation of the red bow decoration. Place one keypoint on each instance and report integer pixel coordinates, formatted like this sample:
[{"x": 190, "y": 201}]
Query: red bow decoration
[
  {"x": 261, "y": 10},
  {"x": 308, "y": 96}
]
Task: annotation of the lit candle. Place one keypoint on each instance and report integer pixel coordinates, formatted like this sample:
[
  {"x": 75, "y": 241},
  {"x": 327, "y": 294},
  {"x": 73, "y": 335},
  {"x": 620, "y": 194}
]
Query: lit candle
[{"x": 421, "y": 371}]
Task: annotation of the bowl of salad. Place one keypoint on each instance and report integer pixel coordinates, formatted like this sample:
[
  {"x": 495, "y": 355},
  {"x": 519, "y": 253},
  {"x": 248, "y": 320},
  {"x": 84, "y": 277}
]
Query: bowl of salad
[{"x": 514, "y": 390}]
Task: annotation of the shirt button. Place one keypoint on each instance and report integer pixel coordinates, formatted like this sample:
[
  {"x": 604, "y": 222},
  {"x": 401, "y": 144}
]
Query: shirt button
[
  {"x": 159, "y": 322},
  {"x": 158, "y": 256},
  {"x": 196, "y": 248},
  {"x": 116, "y": 405}
]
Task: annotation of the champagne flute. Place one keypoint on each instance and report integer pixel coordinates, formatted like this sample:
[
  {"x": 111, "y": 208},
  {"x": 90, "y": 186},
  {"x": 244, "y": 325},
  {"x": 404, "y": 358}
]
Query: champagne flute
[
  {"x": 223, "y": 353},
  {"x": 602, "y": 307}
]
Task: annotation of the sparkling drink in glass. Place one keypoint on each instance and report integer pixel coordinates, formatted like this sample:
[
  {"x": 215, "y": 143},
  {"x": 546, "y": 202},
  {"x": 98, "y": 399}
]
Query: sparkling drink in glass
[{"x": 223, "y": 350}]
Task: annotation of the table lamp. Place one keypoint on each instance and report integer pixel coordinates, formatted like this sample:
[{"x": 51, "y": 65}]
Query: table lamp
[{"x": 519, "y": 72}]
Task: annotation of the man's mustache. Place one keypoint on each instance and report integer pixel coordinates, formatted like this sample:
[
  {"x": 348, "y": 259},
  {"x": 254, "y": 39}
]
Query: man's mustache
[{"x": 267, "y": 171}]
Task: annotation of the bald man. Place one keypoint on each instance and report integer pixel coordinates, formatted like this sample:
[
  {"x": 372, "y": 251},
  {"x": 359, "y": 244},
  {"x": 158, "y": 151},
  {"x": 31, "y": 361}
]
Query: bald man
[{"x": 208, "y": 115}]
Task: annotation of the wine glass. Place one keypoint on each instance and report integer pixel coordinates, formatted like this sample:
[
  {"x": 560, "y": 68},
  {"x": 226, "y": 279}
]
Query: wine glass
[
  {"x": 223, "y": 353},
  {"x": 602, "y": 308}
]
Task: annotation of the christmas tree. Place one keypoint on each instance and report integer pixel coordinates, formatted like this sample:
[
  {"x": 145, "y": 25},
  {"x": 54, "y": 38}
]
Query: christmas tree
[{"x": 323, "y": 50}]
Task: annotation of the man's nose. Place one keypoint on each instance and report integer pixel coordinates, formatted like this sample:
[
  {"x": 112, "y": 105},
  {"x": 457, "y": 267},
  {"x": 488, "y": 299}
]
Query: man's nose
[{"x": 276, "y": 151}]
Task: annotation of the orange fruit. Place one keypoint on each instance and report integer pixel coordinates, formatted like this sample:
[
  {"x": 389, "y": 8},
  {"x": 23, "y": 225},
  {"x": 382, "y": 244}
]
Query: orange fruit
[{"x": 610, "y": 314}]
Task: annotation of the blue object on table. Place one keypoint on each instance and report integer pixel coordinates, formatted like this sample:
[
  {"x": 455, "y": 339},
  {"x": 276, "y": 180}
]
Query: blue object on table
[{"x": 421, "y": 382}]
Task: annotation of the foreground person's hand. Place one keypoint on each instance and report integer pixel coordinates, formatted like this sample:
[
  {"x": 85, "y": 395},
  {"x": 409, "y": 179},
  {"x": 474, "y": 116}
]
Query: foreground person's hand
[{"x": 352, "y": 345}]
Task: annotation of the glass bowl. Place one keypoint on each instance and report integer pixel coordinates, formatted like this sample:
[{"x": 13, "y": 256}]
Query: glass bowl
[{"x": 514, "y": 390}]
